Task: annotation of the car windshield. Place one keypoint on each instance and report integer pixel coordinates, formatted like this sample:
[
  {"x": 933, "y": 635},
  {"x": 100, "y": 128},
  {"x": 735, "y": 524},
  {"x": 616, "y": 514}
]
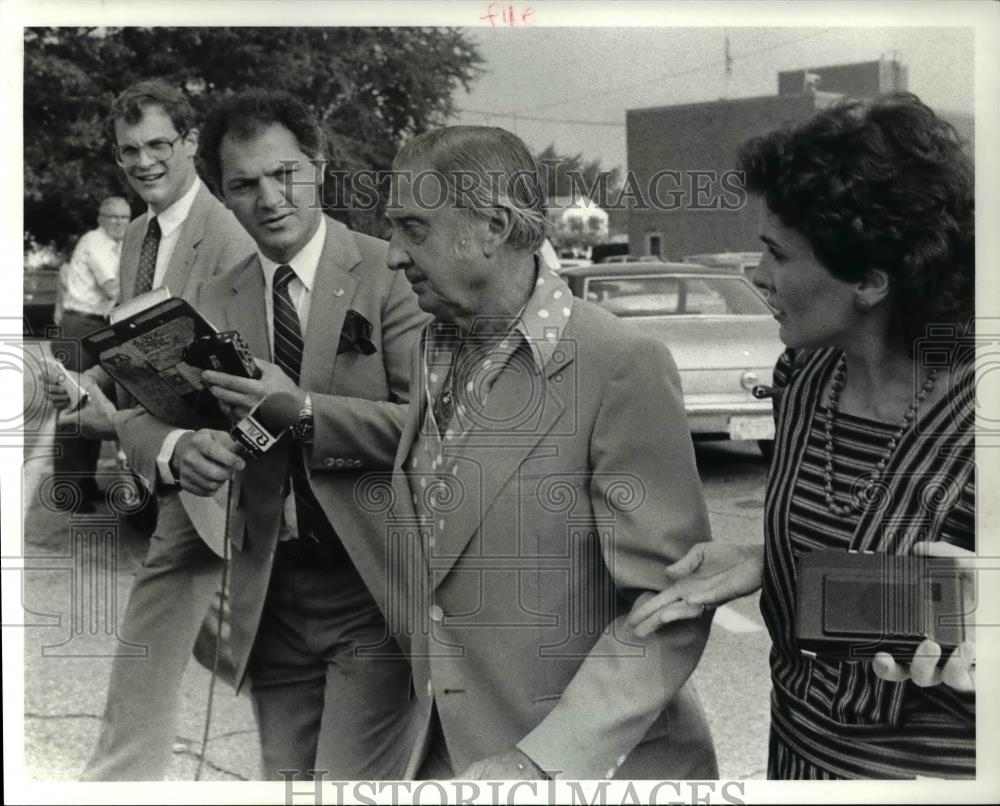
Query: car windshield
[{"x": 663, "y": 295}]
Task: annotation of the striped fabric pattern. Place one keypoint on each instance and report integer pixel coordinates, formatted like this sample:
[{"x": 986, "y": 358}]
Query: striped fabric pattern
[
  {"x": 288, "y": 343},
  {"x": 288, "y": 347},
  {"x": 838, "y": 720}
]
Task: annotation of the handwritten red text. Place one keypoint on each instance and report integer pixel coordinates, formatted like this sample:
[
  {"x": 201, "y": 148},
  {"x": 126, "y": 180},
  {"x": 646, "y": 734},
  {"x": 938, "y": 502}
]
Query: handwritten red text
[{"x": 499, "y": 14}]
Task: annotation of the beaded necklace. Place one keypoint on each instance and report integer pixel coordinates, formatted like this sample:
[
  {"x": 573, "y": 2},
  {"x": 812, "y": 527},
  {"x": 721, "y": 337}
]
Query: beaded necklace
[{"x": 836, "y": 386}]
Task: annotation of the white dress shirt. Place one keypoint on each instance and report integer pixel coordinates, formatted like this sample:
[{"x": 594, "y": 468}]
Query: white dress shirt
[
  {"x": 304, "y": 264},
  {"x": 171, "y": 220},
  {"x": 92, "y": 278}
]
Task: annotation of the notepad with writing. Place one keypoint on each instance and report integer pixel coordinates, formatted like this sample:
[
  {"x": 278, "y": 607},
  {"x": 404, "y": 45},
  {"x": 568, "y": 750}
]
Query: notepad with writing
[{"x": 143, "y": 349}]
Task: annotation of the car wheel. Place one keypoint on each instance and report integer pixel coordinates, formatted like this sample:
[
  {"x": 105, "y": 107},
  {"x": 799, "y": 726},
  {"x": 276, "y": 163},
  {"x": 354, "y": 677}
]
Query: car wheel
[{"x": 766, "y": 448}]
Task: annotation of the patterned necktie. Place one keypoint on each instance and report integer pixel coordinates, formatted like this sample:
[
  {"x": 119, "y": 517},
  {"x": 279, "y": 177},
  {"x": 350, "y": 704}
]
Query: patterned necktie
[
  {"x": 312, "y": 521},
  {"x": 147, "y": 259},
  {"x": 444, "y": 406}
]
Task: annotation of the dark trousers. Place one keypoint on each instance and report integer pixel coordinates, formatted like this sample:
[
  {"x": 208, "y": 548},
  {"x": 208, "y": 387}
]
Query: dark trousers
[
  {"x": 77, "y": 456},
  {"x": 322, "y": 700},
  {"x": 436, "y": 765}
]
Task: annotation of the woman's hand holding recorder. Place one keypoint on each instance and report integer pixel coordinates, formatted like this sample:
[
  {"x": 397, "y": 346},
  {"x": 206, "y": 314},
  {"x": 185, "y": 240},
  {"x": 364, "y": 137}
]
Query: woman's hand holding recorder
[{"x": 924, "y": 668}]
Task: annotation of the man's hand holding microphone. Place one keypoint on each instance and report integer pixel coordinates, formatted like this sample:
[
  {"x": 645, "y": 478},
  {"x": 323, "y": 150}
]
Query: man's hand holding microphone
[{"x": 262, "y": 409}]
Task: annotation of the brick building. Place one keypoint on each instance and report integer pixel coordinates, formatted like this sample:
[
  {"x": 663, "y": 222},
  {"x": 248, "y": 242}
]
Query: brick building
[{"x": 679, "y": 156}]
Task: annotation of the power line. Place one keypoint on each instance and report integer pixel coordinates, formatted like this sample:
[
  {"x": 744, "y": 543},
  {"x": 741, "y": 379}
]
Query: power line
[
  {"x": 707, "y": 66},
  {"x": 517, "y": 116},
  {"x": 725, "y": 62}
]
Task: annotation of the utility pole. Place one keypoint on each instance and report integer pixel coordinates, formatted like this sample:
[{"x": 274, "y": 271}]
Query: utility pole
[{"x": 729, "y": 69}]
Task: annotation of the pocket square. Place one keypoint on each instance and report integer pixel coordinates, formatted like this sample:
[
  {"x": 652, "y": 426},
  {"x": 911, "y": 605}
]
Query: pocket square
[{"x": 356, "y": 335}]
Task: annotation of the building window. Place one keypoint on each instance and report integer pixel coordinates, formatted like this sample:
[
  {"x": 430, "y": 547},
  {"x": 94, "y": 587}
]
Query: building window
[{"x": 654, "y": 244}]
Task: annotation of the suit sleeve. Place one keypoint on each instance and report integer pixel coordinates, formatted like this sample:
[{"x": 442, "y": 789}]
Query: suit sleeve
[
  {"x": 368, "y": 431},
  {"x": 141, "y": 437},
  {"x": 644, "y": 472},
  {"x": 237, "y": 245}
]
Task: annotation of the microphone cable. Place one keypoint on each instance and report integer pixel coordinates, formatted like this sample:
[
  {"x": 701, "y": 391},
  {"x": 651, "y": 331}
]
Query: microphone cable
[{"x": 223, "y": 596}]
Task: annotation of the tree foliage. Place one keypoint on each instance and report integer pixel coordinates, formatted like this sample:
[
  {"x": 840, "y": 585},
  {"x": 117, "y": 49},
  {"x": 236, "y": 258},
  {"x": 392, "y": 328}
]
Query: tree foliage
[
  {"x": 576, "y": 178},
  {"x": 371, "y": 87},
  {"x": 573, "y": 175}
]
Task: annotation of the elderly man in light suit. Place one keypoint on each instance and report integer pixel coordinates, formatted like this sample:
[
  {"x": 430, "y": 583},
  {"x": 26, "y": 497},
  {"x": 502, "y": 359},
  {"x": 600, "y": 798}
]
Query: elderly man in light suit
[
  {"x": 544, "y": 478},
  {"x": 184, "y": 237},
  {"x": 332, "y": 328}
]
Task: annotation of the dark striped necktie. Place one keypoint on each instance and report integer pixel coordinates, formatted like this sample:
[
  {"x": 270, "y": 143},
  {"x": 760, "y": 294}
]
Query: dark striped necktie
[
  {"x": 147, "y": 259},
  {"x": 288, "y": 344}
]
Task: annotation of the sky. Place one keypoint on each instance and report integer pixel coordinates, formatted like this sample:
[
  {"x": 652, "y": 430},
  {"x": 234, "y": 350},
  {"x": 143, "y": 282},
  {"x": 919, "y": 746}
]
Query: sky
[{"x": 585, "y": 78}]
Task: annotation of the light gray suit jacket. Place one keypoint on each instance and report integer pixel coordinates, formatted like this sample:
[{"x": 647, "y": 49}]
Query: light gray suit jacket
[
  {"x": 359, "y": 406},
  {"x": 575, "y": 487},
  {"x": 211, "y": 241}
]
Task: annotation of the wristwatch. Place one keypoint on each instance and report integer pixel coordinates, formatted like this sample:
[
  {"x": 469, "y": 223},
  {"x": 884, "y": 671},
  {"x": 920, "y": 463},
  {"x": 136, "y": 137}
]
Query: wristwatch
[{"x": 303, "y": 428}]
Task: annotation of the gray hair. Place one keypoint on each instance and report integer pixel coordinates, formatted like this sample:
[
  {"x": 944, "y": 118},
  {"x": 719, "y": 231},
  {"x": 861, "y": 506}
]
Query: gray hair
[
  {"x": 111, "y": 200},
  {"x": 485, "y": 167}
]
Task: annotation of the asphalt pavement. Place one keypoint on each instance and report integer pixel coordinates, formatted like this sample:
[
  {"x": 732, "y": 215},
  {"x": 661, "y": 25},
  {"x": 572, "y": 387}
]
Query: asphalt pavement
[{"x": 78, "y": 570}]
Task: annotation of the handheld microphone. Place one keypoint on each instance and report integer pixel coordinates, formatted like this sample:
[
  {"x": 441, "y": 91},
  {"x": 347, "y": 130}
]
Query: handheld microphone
[{"x": 261, "y": 429}]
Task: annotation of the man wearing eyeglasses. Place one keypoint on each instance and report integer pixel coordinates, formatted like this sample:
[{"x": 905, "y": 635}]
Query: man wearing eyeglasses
[
  {"x": 184, "y": 237},
  {"x": 89, "y": 290}
]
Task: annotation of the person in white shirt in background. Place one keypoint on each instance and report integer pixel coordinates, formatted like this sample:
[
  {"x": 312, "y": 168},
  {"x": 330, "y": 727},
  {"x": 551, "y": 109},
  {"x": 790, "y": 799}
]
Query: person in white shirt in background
[{"x": 89, "y": 292}]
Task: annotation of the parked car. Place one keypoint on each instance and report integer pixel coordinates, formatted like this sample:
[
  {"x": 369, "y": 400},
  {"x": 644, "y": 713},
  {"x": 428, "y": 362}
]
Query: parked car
[
  {"x": 629, "y": 259},
  {"x": 600, "y": 252},
  {"x": 41, "y": 286},
  {"x": 722, "y": 335},
  {"x": 736, "y": 262}
]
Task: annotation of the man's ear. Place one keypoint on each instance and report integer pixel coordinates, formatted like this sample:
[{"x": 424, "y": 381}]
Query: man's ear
[
  {"x": 319, "y": 163},
  {"x": 872, "y": 291},
  {"x": 192, "y": 139},
  {"x": 499, "y": 223}
]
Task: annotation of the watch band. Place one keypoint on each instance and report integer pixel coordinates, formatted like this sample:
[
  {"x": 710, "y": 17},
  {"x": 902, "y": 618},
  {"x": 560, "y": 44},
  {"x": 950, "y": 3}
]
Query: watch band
[{"x": 303, "y": 428}]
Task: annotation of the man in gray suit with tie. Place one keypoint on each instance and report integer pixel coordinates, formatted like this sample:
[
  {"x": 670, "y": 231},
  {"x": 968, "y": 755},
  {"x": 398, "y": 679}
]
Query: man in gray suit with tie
[
  {"x": 184, "y": 237},
  {"x": 334, "y": 329}
]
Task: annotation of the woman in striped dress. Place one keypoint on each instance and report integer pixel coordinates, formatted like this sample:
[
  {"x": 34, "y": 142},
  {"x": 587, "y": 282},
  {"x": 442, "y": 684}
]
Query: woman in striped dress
[{"x": 867, "y": 218}]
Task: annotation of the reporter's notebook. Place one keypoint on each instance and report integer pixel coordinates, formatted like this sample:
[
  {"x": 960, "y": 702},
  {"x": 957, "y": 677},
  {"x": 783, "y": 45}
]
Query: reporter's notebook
[{"x": 143, "y": 350}]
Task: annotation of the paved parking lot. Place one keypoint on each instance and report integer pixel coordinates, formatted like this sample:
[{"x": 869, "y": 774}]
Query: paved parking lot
[{"x": 75, "y": 593}]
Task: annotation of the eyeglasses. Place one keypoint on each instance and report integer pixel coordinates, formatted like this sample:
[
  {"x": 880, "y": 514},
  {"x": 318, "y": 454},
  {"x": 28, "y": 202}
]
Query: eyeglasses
[
  {"x": 115, "y": 217},
  {"x": 158, "y": 150}
]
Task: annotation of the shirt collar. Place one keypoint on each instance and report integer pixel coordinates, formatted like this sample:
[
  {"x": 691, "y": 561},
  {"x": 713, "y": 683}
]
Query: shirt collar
[
  {"x": 175, "y": 215},
  {"x": 541, "y": 322},
  {"x": 107, "y": 240},
  {"x": 545, "y": 314},
  {"x": 304, "y": 263}
]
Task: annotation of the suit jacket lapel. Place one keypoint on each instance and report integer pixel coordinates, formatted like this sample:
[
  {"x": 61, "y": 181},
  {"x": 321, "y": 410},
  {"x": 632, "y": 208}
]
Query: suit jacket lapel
[
  {"x": 497, "y": 460},
  {"x": 402, "y": 507},
  {"x": 331, "y": 297},
  {"x": 186, "y": 250},
  {"x": 129, "y": 261},
  {"x": 246, "y": 313}
]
